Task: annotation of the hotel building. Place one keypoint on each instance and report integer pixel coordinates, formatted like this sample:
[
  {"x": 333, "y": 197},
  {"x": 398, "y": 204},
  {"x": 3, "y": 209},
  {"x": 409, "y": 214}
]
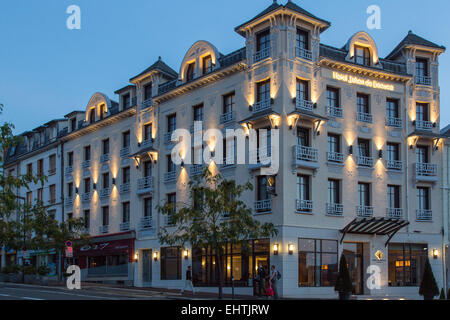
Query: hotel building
[{"x": 359, "y": 152}]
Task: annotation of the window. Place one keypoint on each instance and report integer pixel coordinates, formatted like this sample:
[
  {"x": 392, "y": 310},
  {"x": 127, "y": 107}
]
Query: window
[
  {"x": 147, "y": 169},
  {"x": 125, "y": 212},
  {"x": 190, "y": 71},
  {"x": 87, "y": 219},
  {"x": 363, "y": 194},
  {"x": 171, "y": 123},
  {"x": 92, "y": 116},
  {"x": 302, "y": 90},
  {"x": 40, "y": 195},
  {"x": 421, "y": 154},
  {"x": 52, "y": 164},
  {"x": 105, "y": 216},
  {"x": 392, "y": 108},
  {"x": 303, "y": 137},
  {"x": 147, "y": 207},
  {"x": 362, "y": 103},
  {"x": 422, "y": 112},
  {"x": 148, "y": 132},
  {"x": 70, "y": 189},
  {"x": 334, "y": 143},
  {"x": 73, "y": 124},
  {"x": 148, "y": 91},
  {"x": 198, "y": 112},
  {"x": 261, "y": 191},
  {"x": 334, "y": 194},
  {"x": 263, "y": 91},
  {"x": 421, "y": 67},
  {"x": 172, "y": 201},
  {"x": 125, "y": 139},
  {"x": 52, "y": 193},
  {"x": 87, "y": 153},
  {"x": 393, "y": 151},
  {"x": 170, "y": 165},
  {"x": 171, "y": 263},
  {"x": 302, "y": 40},
  {"x": 423, "y": 198},
  {"x": 393, "y": 197},
  {"x": 87, "y": 185},
  {"x": 263, "y": 40},
  {"x": 126, "y": 101},
  {"x": 363, "y": 148},
  {"x": 70, "y": 159},
  {"x": 102, "y": 111},
  {"x": 105, "y": 146},
  {"x": 303, "y": 187},
  {"x": 126, "y": 175},
  {"x": 332, "y": 97},
  {"x": 362, "y": 55},
  {"x": 228, "y": 103},
  {"x": 29, "y": 200},
  {"x": 207, "y": 64},
  {"x": 105, "y": 180},
  {"x": 406, "y": 264},
  {"x": 317, "y": 262},
  {"x": 40, "y": 167},
  {"x": 30, "y": 169}
]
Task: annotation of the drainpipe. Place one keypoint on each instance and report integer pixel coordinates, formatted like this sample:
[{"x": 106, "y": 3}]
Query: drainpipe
[
  {"x": 407, "y": 156},
  {"x": 62, "y": 208}
]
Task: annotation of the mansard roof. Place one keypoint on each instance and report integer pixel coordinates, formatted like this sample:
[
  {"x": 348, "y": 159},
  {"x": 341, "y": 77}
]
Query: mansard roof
[
  {"x": 413, "y": 39},
  {"x": 159, "y": 66},
  {"x": 290, "y": 6}
]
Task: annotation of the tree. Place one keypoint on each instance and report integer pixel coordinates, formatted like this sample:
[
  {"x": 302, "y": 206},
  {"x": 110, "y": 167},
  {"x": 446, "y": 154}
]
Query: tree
[
  {"x": 428, "y": 287},
  {"x": 442, "y": 295},
  {"x": 215, "y": 217},
  {"x": 343, "y": 282}
]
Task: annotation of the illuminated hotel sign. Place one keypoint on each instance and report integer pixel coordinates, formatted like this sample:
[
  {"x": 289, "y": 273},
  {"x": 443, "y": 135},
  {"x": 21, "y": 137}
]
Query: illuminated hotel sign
[{"x": 362, "y": 82}]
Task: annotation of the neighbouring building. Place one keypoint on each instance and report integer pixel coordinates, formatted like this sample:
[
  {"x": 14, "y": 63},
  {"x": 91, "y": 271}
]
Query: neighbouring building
[{"x": 360, "y": 156}]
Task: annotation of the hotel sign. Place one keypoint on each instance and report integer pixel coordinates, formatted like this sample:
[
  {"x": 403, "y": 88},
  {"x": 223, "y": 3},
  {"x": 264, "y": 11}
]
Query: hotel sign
[{"x": 362, "y": 82}]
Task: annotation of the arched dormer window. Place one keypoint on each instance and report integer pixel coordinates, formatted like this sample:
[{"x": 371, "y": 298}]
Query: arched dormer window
[
  {"x": 363, "y": 50},
  {"x": 190, "y": 71},
  {"x": 362, "y": 55},
  {"x": 98, "y": 108},
  {"x": 201, "y": 58},
  {"x": 207, "y": 64},
  {"x": 92, "y": 116}
]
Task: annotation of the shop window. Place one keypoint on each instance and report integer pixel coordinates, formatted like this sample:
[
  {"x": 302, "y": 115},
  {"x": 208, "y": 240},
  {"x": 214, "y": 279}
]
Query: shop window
[
  {"x": 406, "y": 264},
  {"x": 171, "y": 263}
]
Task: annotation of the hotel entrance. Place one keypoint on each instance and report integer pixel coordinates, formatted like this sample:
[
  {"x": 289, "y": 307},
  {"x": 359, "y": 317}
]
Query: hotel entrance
[
  {"x": 147, "y": 267},
  {"x": 354, "y": 253}
]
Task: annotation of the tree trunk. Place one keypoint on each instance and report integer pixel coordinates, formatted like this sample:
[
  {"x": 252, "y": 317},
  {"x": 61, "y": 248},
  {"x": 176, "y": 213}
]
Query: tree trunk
[{"x": 219, "y": 264}]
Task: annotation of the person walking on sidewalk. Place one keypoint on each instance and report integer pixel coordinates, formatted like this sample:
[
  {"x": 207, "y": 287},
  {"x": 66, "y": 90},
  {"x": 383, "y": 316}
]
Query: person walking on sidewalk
[
  {"x": 188, "y": 284},
  {"x": 274, "y": 277}
]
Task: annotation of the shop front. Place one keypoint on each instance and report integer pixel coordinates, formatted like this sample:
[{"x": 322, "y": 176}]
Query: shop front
[{"x": 106, "y": 258}]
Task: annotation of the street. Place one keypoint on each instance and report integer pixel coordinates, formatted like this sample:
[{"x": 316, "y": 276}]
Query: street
[{"x": 10, "y": 291}]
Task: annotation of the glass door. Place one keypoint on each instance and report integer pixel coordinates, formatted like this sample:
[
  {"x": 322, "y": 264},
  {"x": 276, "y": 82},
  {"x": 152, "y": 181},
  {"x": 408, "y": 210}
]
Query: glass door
[
  {"x": 147, "y": 266},
  {"x": 354, "y": 254}
]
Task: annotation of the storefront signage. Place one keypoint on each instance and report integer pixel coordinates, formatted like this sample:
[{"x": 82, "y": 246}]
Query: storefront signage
[
  {"x": 379, "y": 255},
  {"x": 96, "y": 247},
  {"x": 362, "y": 82}
]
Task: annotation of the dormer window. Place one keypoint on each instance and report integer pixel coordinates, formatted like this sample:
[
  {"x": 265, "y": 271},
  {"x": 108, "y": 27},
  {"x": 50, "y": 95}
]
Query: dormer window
[
  {"x": 102, "y": 111},
  {"x": 262, "y": 46},
  {"x": 422, "y": 72},
  {"x": 73, "y": 124},
  {"x": 207, "y": 64},
  {"x": 92, "y": 116},
  {"x": 302, "y": 45},
  {"x": 190, "y": 71},
  {"x": 147, "y": 91},
  {"x": 362, "y": 55},
  {"x": 126, "y": 101}
]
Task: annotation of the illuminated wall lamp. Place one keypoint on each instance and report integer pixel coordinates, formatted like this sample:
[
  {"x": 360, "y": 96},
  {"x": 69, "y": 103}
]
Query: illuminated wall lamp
[
  {"x": 291, "y": 249},
  {"x": 435, "y": 253},
  {"x": 380, "y": 154},
  {"x": 95, "y": 186},
  {"x": 76, "y": 190},
  {"x": 350, "y": 150},
  {"x": 186, "y": 254},
  {"x": 155, "y": 256},
  {"x": 275, "y": 249},
  {"x": 136, "y": 256},
  {"x": 113, "y": 181}
]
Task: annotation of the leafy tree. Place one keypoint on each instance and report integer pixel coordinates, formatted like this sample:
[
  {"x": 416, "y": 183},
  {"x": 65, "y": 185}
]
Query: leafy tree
[
  {"x": 343, "y": 282},
  {"x": 215, "y": 217},
  {"x": 428, "y": 286}
]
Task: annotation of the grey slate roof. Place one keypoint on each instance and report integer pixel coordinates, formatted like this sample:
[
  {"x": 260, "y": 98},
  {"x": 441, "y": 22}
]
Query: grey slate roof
[
  {"x": 289, "y": 5},
  {"x": 412, "y": 38},
  {"x": 160, "y": 66}
]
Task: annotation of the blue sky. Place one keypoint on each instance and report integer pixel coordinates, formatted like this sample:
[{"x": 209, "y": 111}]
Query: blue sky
[{"x": 46, "y": 70}]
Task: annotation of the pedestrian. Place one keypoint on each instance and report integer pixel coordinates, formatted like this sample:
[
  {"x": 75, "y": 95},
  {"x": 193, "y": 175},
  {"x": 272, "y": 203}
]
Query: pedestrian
[
  {"x": 275, "y": 276},
  {"x": 188, "y": 284},
  {"x": 262, "y": 280}
]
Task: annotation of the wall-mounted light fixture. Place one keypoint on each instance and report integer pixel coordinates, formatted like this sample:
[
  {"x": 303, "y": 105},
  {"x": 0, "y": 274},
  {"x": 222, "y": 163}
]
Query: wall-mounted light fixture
[
  {"x": 414, "y": 122},
  {"x": 350, "y": 150},
  {"x": 186, "y": 254},
  {"x": 94, "y": 186},
  {"x": 250, "y": 107},
  {"x": 292, "y": 121},
  {"x": 275, "y": 249},
  {"x": 275, "y": 120},
  {"x": 291, "y": 249},
  {"x": 136, "y": 256},
  {"x": 155, "y": 256},
  {"x": 435, "y": 253},
  {"x": 113, "y": 181},
  {"x": 380, "y": 154},
  {"x": 182, "y": 163},
  {"x": 76, "y": 190},
  {"x": 139, "y": 144},
  {"x": 434, "y": 124}
]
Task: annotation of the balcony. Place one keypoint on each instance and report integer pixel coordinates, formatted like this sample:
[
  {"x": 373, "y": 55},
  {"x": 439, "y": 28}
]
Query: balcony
[
  {"x": 335, "y": 112},
  {"x": 304, "y": 206},
  {"x": 52, "y": 172},
  {"x": 196, "y": 170},
  {"x": 364, "y": 117},
  {"x": 170, "y": 176},
  {"x": 168, "y": 220},
  {"x": 261, "y": 55},
  {"x": 146, "y": 223},
  {"x": 303, "y": 53},
  {"x": 260, "y": 157},
  {"x": 335, "y": 157},
  {"x": 125, "y": 152},
  {"x": 228, "y": 162},
  {"x": 86, "y": 164},
  {"x": 68, "y": 201},
  {"x": 147, "y": 143},
  {"x": 306, "y": 157},
  {"x": 394, "y": 122},
  {"x": 103, "y": 229},
  {"x": 394, "y": 213},
  {"x": 366, "y": 162},
  {"x": 124, "y": 188},
  {"x": 86, "y": 197},
  {"x": 227, "y": 117},
  {"x": 262, "y": 106},
  {"x": 394, "y": 165},
  {"x": 144, "y": 185},
  {"x": 147, "y": 103},
  {"x": 423, "y": 80},
  {"x": 104, "y": 158},
  {"x": 104, "y": 193},
  {"x": 263, "y": 206},
  {"x": 69, "y": 170},
  {"x": 335, "y": 209},
  {"x": 426, "y": 172},
  {"x": 125, "y": 226},
  {"x": 304, "y": 105},
  {"x": 364, "y": 211},
  {"x": 424, "y": 125},
  {"x": 424, "y": 215}
]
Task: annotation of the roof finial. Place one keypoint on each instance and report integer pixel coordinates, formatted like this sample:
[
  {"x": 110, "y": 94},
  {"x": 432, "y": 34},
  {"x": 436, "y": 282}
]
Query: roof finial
[
  {"x": 410, "y": 31},
  {"x": 159, "y": 58}
]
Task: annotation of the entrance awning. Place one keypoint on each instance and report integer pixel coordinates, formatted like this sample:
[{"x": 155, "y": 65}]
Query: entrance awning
[{"x": 374, "y": 226}]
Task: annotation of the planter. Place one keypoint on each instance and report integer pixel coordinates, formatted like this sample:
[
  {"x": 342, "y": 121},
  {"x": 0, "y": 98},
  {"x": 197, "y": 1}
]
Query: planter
[{"x": 344, "y": 295}]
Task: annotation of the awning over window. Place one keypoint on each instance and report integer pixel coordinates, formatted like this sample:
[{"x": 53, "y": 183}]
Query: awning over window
[{"x": 374, "y": 226}]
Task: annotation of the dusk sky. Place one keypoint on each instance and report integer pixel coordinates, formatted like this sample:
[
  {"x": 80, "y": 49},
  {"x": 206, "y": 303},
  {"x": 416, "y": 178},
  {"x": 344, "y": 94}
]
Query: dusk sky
[{"x": 47, "y": 71}]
